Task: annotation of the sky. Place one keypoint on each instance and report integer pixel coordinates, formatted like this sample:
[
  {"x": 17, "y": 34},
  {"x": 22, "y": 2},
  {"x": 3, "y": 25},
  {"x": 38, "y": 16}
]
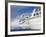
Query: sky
[{"x": 18, "y": 10}]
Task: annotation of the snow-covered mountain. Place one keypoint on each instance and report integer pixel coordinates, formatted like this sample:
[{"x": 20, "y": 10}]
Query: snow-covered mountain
[{"x": 27, "y": 20}]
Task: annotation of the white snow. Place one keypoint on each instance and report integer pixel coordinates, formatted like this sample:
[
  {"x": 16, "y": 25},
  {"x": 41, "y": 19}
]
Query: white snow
[{"x": 33, "y": 22}]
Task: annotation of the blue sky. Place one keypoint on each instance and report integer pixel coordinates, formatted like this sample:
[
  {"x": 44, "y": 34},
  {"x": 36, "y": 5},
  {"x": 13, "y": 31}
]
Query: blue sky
[{"x": 18, "y": 10}]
